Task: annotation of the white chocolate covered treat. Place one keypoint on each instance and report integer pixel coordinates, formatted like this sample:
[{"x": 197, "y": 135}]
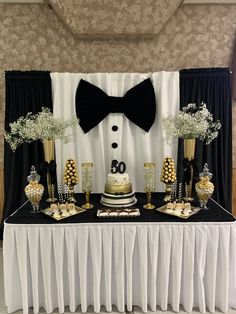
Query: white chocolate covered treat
[{"x": 56, "y": 215}]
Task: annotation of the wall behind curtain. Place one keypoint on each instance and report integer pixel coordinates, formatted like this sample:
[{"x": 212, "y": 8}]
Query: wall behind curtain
[
  {"x": 32, "y": 37},
  {"x": 25, "y": 91}
]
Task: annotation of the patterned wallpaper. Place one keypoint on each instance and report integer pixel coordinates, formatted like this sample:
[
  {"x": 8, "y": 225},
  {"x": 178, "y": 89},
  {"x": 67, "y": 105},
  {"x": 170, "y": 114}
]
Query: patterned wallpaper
[
  {"x": 114, "y": 18},
  {"x": 32, "y": 37}
]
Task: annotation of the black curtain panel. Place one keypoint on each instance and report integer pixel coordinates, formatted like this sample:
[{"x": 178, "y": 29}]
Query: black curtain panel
[
  {"x": 26, "y": 91},
  {"x": 212, "y": 86}
]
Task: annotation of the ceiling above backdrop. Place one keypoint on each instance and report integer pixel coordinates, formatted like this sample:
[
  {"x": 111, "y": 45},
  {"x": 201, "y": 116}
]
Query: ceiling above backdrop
[
  {"x": 116, "y": 19},
  {"x": 98, "y": 19}
]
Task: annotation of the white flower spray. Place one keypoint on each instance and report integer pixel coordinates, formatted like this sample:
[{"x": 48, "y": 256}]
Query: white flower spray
[
  {"x": 40, "y": 126},
  {"x": 192, "y": 122}
]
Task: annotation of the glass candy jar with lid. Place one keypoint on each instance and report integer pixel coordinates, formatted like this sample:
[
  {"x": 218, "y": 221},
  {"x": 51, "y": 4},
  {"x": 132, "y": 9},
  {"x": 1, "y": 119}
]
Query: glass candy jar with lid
[
  {"x": 204, "y": 187},
  {"x": 34, "y": 190}
]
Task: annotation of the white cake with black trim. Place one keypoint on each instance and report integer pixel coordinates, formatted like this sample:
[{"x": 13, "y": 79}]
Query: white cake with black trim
[{"x": 118, "y": 191}]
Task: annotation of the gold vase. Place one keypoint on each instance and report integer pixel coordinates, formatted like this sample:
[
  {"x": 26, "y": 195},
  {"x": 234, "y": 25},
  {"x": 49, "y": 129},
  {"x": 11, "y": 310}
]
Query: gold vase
[
  {"x": 189, "y": 152},
  {"x": 49, "y": 155}
]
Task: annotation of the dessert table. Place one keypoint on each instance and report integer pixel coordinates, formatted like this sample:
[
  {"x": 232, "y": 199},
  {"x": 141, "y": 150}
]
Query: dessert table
[{"x": 150, "y": 261}]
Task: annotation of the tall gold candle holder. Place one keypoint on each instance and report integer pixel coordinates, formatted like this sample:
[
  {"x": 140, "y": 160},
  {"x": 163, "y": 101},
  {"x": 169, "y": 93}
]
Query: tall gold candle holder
[
  {"x": 149, "y": 183},
  {"x": 87, "y": 183}
]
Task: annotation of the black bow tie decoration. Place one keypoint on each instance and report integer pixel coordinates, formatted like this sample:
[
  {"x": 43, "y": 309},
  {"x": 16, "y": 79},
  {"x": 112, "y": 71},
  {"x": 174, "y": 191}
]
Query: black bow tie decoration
[
  {"x": 93, "y": 105},
  {"x": 48, "y": 167},
  {"x": 187, "y": 170}
]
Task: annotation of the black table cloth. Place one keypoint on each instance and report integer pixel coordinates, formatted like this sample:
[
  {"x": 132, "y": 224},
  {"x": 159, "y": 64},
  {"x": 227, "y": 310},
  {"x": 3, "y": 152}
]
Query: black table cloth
[{"x": 216, "y": 213}]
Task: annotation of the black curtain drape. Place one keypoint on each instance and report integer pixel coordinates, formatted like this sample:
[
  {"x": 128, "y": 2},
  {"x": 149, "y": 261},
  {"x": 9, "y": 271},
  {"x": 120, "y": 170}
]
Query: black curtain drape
[
  {"x": 212, "y": 86},
  {"x": 26, "y": 91}
]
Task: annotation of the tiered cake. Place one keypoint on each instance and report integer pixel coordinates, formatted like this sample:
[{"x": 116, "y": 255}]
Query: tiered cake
[{"x": 118, "y": 191}]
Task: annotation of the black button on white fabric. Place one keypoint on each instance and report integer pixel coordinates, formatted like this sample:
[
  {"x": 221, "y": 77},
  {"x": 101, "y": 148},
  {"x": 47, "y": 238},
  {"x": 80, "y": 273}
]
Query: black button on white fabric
[
  {"x": 114, "y": 128},
  {"x": 114, "y": 145}
]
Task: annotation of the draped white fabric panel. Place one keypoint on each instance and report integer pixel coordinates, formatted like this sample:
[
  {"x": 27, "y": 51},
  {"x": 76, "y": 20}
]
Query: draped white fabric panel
[
  {"x": 135, "y": 146},
  {"x": 143, "y": 264}
]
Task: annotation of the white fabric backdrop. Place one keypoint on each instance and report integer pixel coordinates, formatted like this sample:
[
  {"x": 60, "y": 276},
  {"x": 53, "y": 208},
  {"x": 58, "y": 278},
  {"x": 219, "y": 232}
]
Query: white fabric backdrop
[
  {"x": 143, "y": 264},
  {"x": 135, "y": 146}
]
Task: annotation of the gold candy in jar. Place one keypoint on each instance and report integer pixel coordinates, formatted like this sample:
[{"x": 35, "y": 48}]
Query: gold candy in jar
[
  {"x": 204, "y": 188},
  {"x": 34, "y": 190}
]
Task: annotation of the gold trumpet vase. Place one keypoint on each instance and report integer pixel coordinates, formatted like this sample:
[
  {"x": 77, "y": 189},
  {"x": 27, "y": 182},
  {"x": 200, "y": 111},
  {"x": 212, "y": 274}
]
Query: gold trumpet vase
[
  {"x": 49, "y": 155},
  {"x": 189, "y": 152}
]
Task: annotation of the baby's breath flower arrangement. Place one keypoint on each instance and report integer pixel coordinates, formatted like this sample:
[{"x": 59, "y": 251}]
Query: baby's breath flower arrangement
[
  {"x": 192, "y": 122},
  {"x": 39, "y": 126}
]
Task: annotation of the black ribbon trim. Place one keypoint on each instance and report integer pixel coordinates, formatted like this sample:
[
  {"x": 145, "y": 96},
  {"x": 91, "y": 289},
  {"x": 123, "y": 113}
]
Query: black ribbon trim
[
  {"x": 188, "y": 164},
  {"x": 48, "y": 167}
]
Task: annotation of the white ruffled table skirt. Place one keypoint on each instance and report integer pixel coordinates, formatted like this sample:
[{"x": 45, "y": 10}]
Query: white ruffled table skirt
[{"x": 121, "y": 264}]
